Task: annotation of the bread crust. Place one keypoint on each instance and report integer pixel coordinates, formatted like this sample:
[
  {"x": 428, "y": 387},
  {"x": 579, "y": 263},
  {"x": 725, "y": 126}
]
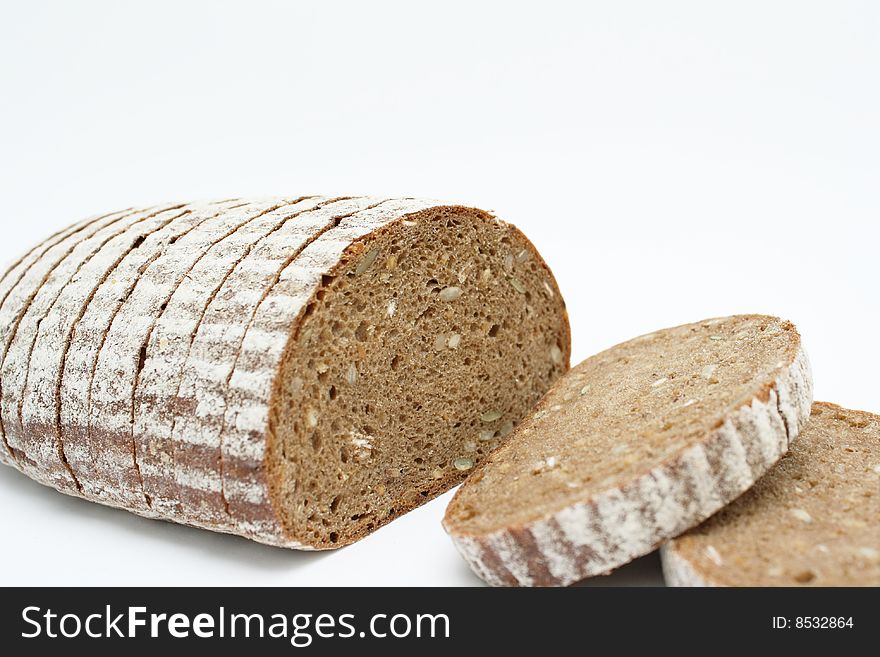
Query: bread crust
[
  {"x": 18, "y": 282},
  {"x": 832, "y": 467},
  {"x": 88, "y": 333},
  {"x": 168, "y": 345},
  {"x": 678, "y": 571},
  {"x": 54, "y": 271},
  {"x": 599, "y": 534},
  {"x": 37, "y": 404},
  {"x": 111, "y": 407}
]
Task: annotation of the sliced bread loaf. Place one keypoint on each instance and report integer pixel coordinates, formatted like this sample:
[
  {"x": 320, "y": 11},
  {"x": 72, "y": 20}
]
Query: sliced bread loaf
[
  {"x": 297, "y": 372},
  {"x": 813, "y": 520},
  {"x": 632, "y": 447}
]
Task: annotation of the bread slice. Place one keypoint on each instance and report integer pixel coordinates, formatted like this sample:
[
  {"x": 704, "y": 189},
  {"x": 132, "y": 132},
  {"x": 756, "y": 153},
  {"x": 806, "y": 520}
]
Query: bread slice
[
  {"x": 121, "y": 355},
  {"x": 811, "y": 521},
  {"x": 29, "y": 301},
  {"x": 633, "y": 446},
  {"x": 87, "y": 334},
  {"x": 48, "y": 344},
  {"x": 14, "y": 274},
  {"x": 166, "y": 351},
  {"x": 196, "y": 486},
  {"x": 297, "y": 372}
]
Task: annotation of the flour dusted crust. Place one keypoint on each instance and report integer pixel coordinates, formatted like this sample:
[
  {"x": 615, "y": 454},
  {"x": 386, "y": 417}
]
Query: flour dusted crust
[
  {"x": 810, "y": 521},
  {"x": 18, "y": 269},
  {"x": 200, "y": 402},
  {"x": 111, "y": 407},
  {"x": 40, "y": 288},
  {"x": 165, "y": 356},
  {"x": 599, "y": 533},
  {"x": 37, "y": 404},
  {"x": 250, "y": 387},
  {"x": 678, "y": 571},
  {"x": 87, "y": 335},
  {"x": 150, "y": 347}
]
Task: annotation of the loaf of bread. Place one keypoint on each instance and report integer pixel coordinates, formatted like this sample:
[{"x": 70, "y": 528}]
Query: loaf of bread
[
  {"x": 634, "y": 446},
  {"x": 297, "y": 371},
  {"x": 813, "y": 520}
]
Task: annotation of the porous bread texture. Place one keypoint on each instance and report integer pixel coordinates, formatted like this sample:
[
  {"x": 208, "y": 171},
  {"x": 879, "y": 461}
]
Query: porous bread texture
[
  {"x": 632, "y": 447},
  {"x": 424, "y": 348},
  {"x": 169, "y": 380},
  {"x": 812, "y": 520}
]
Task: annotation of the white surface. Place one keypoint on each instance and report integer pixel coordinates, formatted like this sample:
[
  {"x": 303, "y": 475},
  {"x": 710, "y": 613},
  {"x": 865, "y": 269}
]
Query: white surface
[{"x": 672, "y": 161}]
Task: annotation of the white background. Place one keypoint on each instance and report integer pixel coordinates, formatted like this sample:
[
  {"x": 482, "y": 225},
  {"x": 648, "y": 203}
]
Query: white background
[{"x": 672, "y": 161}]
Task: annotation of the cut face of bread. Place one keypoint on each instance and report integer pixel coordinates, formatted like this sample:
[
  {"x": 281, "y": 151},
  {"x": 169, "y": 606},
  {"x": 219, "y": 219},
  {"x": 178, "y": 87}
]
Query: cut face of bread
[
  {"x": 298, "y": 371},
  {"x": 419, "y": 354},
  {"x": 811, "y": 521},
  {"x": 631, "y": 447}
]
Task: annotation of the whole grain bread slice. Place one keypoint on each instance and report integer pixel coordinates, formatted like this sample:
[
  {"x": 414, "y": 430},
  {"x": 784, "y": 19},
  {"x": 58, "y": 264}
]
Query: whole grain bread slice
[
  {"x": 811, "y": 521},
  {"x": 632, "y": 447}
]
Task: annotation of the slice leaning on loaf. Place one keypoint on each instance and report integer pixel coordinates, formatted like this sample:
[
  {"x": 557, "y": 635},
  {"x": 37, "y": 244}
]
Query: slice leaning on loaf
[
  {"x": 299, "y": 372},
  {"x": 813, "y": 520},
  {"x": 632, "y": 447}
]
